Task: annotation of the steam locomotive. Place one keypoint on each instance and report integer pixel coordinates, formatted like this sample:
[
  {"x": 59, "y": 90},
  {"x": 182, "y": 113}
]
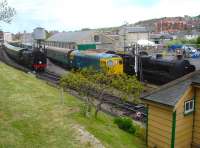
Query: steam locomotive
[
  {"x": 161, "y": 71},
  {"x": 157, "y": 70},
  {"x": 32, "y": 58}
]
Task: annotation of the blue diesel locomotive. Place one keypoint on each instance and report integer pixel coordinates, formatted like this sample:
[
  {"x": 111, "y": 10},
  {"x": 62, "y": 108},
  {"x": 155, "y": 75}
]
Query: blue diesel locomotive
[{"x": 76, "y": 59}]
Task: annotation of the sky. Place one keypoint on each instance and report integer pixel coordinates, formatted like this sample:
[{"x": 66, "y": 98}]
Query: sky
[{"x": 70, "y": 15}]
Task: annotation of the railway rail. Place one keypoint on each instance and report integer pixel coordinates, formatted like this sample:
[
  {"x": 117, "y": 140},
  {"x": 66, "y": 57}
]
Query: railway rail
[
  {"x": 50, "y": 77},
  {"x": 135, "y": 111},
  {"x": 127, "y": 108}
]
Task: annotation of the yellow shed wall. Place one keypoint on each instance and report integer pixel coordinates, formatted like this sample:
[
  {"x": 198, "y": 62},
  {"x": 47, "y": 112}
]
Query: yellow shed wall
[
  {"x": 184, "y": 123},
  {"x": 159, "y": 127},
  {"x": 187, "y": 126},
  {"x": 196, "y": 132}
]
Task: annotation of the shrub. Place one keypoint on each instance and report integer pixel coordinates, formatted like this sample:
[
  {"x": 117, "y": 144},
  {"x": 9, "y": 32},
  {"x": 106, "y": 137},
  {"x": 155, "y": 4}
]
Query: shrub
[{"x": 125, "y": 124}]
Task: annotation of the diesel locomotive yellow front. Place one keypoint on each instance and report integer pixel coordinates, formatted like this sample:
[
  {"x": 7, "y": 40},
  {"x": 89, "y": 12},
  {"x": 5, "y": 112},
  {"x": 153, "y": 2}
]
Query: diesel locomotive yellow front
[{"x": 112, "y": 65}]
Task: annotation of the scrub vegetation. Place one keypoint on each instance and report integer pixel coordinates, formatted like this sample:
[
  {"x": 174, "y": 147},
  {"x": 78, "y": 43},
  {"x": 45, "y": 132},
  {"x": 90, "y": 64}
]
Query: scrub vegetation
[
  {"x": 184, "y": 41},
  {"x": 89, "y": 81}
]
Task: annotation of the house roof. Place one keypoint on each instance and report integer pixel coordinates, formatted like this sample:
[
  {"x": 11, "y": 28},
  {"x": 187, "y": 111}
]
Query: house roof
[
  {"x": 76, "y": 36},
  {"x": 171, "y": 93},
  {"x": 57, "y": 49},
  {"x": 136, "y": 29},
  {"x": 159, "y": 36}
]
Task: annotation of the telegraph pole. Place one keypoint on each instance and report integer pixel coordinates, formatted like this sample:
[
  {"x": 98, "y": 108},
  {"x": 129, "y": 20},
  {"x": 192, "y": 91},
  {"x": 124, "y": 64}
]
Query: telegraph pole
[
  {"x": 136, "y": 60},
  {"x": 124, "y": 38},
  {"x": 125, "y": 29}
]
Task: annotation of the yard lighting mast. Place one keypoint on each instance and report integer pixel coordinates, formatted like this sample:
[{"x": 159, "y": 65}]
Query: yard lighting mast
[
  {"x": 124, "y": 35},
  {"x": 138, "y": 61}
]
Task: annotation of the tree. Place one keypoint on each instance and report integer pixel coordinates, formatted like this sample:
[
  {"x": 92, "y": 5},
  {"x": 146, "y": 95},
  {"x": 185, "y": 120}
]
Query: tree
[
  {"x": 76, "y": 81},
  {"x": 6, "y": 12},
  {"x": 90, "y": 82},
  {"x": 198, "y": 40}
]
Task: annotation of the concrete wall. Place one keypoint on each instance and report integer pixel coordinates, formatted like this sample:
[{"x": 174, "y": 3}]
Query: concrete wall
[
  {"x": 131, "y": 38},
  {"x": 134, "y": 37}
]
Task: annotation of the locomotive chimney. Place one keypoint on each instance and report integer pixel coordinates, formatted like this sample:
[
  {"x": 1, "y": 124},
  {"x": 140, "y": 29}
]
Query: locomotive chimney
[
  {"x": 159, "y": 56},
  {"x": 179, "y": 57}
]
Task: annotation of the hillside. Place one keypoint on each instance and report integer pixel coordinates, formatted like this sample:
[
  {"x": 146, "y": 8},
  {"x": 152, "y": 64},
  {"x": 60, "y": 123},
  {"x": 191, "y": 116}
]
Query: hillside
[
  {"x": 33, "y": 115},
  {"x": 191, "y": 22},
  {"x": 149, "y": 24}
]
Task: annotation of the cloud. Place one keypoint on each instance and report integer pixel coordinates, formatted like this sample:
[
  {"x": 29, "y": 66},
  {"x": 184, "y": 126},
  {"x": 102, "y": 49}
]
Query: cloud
[{"x": 77, "y": 14}]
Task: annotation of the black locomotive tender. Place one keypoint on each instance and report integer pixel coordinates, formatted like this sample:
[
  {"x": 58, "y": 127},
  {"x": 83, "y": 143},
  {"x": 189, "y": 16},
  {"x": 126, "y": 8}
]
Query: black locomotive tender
[
  {"x": 32, "y": 58},
  {"x": 157, "y": 70}
]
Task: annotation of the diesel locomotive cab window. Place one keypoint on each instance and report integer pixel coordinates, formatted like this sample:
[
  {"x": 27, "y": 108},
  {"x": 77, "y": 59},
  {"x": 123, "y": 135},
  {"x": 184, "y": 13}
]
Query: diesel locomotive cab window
[{"x": 189, "y": 106}]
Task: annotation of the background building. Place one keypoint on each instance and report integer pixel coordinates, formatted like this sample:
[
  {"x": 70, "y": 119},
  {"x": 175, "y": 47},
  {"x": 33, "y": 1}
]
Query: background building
[
  {"x": 130, "y": 35},
  {"x": 27, "y": 37},
  {"x": 1, "y": 37},
  {"x": 7, "y": 36},
  {"x": 171, "y": 25},
  {"x": 88, "y": 39}
]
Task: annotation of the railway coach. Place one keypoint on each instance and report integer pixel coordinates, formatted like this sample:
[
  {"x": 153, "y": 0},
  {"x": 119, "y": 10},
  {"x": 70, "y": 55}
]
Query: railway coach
[{"x": 34, "y": 59}]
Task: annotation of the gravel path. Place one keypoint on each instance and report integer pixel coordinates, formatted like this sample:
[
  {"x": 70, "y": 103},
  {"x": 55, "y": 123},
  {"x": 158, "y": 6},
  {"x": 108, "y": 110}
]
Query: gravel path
[{"x": 86, "y": 138}]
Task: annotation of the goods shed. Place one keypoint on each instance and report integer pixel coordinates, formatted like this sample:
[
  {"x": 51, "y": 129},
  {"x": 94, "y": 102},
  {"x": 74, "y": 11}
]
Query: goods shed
[{"x": 174, "y": 114}]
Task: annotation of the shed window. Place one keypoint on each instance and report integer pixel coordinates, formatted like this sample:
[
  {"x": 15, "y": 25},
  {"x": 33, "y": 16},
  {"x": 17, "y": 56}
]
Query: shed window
[{"x": 189, "y": 106}]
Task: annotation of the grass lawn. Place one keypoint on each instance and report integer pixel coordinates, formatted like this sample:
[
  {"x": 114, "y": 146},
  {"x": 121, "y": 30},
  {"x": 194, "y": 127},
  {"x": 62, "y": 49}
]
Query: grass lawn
[{"x": 32, "y": 115}]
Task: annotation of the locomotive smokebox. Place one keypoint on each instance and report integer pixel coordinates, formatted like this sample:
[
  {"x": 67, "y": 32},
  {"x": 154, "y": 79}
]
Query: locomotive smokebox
[{"x": 39, "y": 34}]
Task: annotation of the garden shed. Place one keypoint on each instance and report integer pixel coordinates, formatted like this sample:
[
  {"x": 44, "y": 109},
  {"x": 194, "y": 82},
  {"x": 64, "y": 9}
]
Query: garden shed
[{"x": 174, "y": 114}]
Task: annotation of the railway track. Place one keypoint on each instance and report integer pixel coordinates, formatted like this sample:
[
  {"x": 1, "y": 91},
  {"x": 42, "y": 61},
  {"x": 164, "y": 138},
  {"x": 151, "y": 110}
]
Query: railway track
[
  {"x": 127, "y": 108},
  {"x": 50, "y": 77}
]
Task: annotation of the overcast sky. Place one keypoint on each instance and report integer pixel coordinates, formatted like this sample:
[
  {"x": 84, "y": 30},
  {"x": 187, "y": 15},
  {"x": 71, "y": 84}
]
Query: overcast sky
[{"x": 76, "y": 14}]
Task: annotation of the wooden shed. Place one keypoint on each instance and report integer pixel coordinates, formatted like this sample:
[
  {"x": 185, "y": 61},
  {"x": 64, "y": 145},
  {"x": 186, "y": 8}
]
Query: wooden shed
[{"x": 174, "y": 114}]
